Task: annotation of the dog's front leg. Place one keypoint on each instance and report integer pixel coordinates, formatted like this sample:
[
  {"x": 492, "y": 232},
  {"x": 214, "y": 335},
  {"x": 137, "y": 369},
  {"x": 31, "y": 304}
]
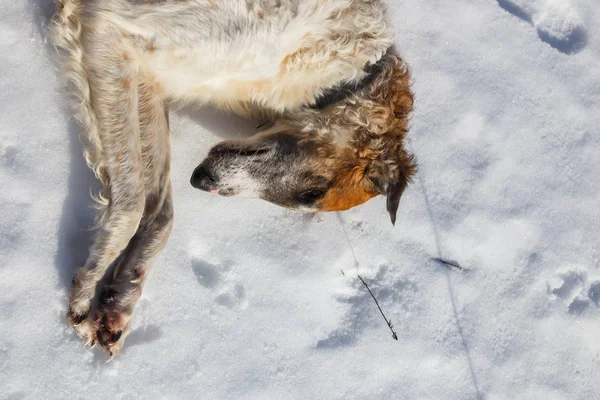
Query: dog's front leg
[
  {"x": 113, "y": 83},
  {"x": 121, "y": 291}
]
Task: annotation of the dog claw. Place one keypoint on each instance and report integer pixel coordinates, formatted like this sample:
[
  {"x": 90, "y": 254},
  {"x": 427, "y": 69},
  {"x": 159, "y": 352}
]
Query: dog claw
[
  {"x": 76, "y": 319},
  {"x": 106, "y": 338},
  {"x": 115, "y": 347},
  {"x": 101, "y": 339}
]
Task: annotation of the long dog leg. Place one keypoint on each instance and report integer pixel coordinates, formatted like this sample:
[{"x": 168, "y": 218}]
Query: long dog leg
[
  {"x": 115, "y": 103},
  {"x": 120, "y": 292}
]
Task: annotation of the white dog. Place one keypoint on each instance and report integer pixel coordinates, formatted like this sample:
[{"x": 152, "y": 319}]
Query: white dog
[{"x": 325, "y": 71}]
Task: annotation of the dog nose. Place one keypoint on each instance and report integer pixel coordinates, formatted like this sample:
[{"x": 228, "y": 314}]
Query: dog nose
[{"x": 202, "y": 179}]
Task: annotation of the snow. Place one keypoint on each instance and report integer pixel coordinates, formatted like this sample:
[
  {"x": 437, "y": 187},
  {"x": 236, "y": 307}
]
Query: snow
[{"x": 249, "y": 301}]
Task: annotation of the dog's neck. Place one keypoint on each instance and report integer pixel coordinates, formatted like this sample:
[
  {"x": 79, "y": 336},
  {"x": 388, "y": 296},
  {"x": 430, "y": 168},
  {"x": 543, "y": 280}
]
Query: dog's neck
[
  {"x": 345, "y": 89},
  {"x": 374, "y": 112}
]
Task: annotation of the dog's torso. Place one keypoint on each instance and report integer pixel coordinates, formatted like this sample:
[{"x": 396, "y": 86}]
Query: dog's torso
[{"x": 278, "y": 54}]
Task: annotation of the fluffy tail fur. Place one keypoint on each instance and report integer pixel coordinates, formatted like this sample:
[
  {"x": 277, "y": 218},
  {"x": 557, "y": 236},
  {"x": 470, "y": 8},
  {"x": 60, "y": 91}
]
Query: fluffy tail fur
[{"x": 66, "y": 34}]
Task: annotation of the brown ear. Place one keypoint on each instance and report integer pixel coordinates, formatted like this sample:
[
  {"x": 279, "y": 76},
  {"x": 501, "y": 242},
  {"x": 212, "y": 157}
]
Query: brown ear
[
  {"x": 392, "y": 184},
  {"x": 407, "y": 167},
  {"x": 394, "y": 192}
]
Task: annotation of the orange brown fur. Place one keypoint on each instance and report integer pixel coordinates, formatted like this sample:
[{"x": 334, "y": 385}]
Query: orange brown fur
[
  {"x": 376, "y": 119},
  {"x": 347, "y": 191}
]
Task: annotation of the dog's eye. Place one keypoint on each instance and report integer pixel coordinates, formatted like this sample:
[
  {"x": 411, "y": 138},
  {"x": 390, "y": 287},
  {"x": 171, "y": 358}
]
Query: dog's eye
[
  {"x": 310, "y": 196},
  {"x": 253, "y": 152},
  {"x": 224, "y": 151}
]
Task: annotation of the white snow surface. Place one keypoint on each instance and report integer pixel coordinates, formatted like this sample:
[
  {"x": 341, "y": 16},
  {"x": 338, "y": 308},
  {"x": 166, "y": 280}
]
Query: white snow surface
[{"x": 248, "y": 300}]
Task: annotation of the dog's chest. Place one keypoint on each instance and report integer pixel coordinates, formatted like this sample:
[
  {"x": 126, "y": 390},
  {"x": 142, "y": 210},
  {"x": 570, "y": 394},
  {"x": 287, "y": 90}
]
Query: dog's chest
[
  {"x": 280, "y": 63},
  {"x": 208, "y": 72}
]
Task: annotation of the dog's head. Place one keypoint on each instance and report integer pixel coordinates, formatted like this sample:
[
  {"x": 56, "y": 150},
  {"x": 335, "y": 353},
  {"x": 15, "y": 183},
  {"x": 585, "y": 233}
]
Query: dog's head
[
  {"x": 331, "y": 160},
  {"x": 303, "y": 172}
]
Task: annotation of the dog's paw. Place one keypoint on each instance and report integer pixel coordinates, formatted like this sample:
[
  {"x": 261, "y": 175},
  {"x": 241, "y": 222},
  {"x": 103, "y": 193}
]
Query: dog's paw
[
  {"x": 111, "y": 332},
  {"x": 80, "y": 304},
  {"x": 113, "y": 313},
  {"x": 84, "y": 326}
]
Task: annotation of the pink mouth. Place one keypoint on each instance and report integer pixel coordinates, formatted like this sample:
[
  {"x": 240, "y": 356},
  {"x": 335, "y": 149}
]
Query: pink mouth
[{"x": 214, "y": 191}]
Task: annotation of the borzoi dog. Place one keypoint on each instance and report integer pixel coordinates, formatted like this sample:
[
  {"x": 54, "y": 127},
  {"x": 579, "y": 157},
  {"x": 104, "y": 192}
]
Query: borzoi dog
[{"x": 325, "y": 72}]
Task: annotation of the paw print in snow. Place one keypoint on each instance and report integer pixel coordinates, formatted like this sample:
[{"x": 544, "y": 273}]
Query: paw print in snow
[
  {"x": 556, "y": 21},
  {"x": 572, "y": 287},
  {"x": 221, "y": 279}
]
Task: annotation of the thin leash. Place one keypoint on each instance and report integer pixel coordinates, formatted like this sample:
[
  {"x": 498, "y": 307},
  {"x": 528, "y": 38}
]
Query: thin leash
[{"x": 356, "y": 265}]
